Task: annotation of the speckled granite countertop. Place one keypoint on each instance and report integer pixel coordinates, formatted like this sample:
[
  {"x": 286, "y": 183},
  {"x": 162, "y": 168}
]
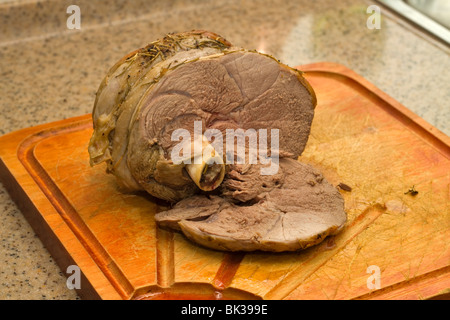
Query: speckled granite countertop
[{"x": 49, "y": 72}]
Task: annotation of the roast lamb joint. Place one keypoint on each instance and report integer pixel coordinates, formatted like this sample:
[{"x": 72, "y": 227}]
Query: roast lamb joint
[{"x": 168, "y": 119}]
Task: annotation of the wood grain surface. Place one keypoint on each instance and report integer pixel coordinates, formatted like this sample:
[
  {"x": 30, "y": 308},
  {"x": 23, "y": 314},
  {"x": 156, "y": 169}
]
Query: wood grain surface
[{"x": 360, "y": 137}]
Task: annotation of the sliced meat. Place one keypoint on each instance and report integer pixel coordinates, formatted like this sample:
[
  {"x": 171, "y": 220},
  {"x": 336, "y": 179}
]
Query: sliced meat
[
  {"x": 197, "y": 77},
  {"x": 244, "y": 183},
  {"x": 198, "y": 207},
  {"x": 298, "y": 211},
  {"x": 188, "y": 77}
]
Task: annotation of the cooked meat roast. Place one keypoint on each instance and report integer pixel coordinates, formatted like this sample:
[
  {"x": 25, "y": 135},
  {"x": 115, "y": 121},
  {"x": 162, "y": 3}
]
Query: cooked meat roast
[{"x": 198, "y": 82}]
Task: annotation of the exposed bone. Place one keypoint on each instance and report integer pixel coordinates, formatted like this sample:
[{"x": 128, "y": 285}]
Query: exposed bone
[{"x": 207, "y": 169}]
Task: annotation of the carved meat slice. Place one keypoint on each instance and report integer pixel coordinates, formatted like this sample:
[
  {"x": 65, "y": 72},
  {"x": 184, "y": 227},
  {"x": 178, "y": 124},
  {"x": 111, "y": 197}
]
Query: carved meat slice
[{"x": 297, "y": 211}]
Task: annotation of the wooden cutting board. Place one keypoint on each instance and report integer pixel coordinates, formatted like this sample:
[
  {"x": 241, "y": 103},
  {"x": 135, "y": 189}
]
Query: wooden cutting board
[{"x": 394, "y": 246}]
